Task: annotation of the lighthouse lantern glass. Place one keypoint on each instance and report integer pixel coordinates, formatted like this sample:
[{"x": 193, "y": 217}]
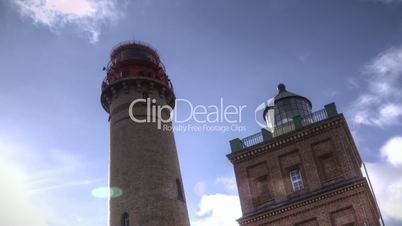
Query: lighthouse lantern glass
[{"x": 286, "y": 109}]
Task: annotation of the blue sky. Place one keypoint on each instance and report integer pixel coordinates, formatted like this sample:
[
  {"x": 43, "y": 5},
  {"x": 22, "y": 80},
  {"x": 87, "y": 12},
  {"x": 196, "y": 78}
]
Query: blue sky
[{"x": 54, "y": 133}]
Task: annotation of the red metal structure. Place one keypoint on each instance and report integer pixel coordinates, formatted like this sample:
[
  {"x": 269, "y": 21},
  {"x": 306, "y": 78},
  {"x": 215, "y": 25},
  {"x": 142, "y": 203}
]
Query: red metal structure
[{"x": 133, "y": 61}]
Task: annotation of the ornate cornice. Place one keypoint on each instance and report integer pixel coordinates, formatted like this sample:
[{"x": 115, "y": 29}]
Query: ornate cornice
[
  {"x": 286, "y": 139},
  {"x": 314, "y": 199}
]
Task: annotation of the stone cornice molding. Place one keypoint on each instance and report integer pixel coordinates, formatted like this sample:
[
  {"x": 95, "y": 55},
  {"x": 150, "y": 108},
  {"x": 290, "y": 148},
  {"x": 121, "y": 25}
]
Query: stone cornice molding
[
  {"x": 286, "y": 139},
  {"x": 314, "y": 199}
]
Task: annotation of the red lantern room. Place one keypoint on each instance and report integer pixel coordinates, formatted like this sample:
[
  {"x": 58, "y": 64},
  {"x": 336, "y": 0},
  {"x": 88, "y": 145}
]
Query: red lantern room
[{"x": 130, "y": 62}]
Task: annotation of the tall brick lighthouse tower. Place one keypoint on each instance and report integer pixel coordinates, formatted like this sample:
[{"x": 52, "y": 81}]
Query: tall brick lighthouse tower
[
  {"x": 303, "y": 170},
  {"x": 144, "y": 172}
]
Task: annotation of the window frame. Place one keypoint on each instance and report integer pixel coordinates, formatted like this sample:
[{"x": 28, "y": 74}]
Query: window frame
[
  {"x": 125, "y": 219},
  {"x": 298, "y": 180}
]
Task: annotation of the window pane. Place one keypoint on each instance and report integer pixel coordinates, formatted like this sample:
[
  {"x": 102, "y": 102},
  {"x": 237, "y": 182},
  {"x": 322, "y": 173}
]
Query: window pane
[
  {"x": 125, "y": 220},
  {"x": 297, "y": 182}
]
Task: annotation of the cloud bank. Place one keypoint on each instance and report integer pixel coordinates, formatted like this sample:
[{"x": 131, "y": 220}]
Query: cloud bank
[
  {"x": 387, "y": 183},
  {"x": 386, "y": 178},
  {"x": 392, "y": 151},
  {"x": 380, "y": 104},
  {"x": 218, "y": 210},
  {"x": 87, "y": 15}
]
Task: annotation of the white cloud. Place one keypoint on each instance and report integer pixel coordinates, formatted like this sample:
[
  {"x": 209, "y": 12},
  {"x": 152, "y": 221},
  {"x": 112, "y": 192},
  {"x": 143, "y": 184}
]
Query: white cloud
[
  {"x": 386, "y": 177},
  {"x": 392, "y": 151},
  {"x": 218, "y": 210},
  {"x": 381, "y": 103},
  {"x": 387, "y": 183},
  {"x": 87, "y": 15}
]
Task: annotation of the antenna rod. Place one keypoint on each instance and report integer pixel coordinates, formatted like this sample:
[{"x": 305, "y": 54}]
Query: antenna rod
[{"x": 372, "y": 191}]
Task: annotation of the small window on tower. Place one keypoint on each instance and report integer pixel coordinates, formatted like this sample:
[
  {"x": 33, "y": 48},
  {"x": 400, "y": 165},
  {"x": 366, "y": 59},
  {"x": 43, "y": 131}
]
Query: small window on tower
[
  {"x": 180, "y": 195},
  {"x": 125, "y": 220},
  {"x": 296, "y": 179}
]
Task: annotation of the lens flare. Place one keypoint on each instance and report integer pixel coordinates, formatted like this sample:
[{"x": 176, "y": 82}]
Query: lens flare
[{"x": 107, "y": 192}]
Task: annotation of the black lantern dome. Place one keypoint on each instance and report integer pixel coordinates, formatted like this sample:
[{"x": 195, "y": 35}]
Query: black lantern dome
[{"x": 283, "y": 107}]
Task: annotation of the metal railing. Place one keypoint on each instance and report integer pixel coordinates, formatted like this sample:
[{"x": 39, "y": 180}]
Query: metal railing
[
  {"x": 117, "y": 50},
  {"x": 113, "y": 62},
  {"x": 252, "y": 140},
  {"x": 285, "y": 128},
  {"x": 314, "y": 117},
  {"x": 109, "y": 81},
  {"x": 134, "y": 42},
  {"x": 121, "y": 52}
]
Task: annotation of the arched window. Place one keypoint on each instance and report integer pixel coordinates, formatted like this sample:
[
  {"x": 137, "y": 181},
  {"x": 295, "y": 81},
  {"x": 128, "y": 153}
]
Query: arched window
[{"x": 125, "y": 221}]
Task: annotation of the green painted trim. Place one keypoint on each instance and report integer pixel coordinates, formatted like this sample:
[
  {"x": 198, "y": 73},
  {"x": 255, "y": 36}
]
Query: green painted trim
[
  {"x": 331, "y": 109},
  {"x": 266, "y": 135},
  {"x": 235, "y": 145}
]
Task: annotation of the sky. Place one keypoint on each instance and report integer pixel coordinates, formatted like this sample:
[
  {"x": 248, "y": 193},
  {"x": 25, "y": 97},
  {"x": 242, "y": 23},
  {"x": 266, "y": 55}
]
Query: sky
[{"x": 54, "y": 137}]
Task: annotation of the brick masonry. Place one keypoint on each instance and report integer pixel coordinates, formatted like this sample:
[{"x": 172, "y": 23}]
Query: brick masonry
[
  {"x": 143, "y": 159},
  {"x": 335, "y": 192}
]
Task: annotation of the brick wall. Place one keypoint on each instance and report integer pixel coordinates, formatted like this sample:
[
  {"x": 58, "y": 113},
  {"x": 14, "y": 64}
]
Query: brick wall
[{"x": 326, "y": 157}]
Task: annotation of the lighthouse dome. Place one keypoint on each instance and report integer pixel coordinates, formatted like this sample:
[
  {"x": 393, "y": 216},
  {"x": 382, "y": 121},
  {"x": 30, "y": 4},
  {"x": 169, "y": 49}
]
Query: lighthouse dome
[{"x": 284, "y": 106}]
